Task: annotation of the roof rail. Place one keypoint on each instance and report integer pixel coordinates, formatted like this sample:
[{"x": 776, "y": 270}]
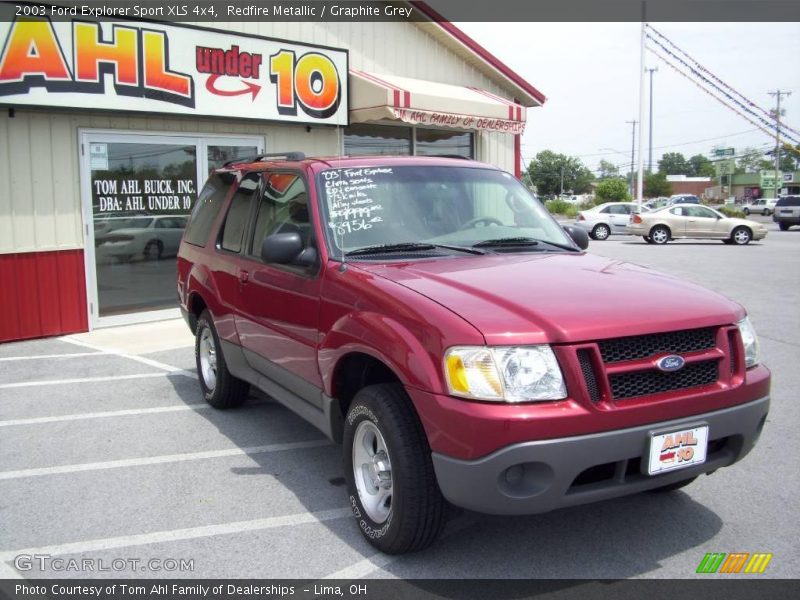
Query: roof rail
[{"x": 260, "y": 157}]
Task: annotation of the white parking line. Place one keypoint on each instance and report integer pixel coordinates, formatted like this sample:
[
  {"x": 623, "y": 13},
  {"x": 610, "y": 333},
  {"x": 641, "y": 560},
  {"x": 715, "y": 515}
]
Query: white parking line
[
  {"x": 160, "y": 460},
  {"x": 21, "y": 384},
  {"x": 159, "y": 537},
  {"x": 109, "y": 413},
  {"x": 51, "y": 356},
  {"x": 145, "y": 361}
]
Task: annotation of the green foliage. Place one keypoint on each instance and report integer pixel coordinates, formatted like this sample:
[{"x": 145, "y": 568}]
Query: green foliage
[
  {"x": 545, "y": 172},
  {"x": 561, "y": 207},
  {"x": 656, "y": 184},
  {"x": 612, "y": 190},
  {"x": 701, "y": 166},
  {"x": 730, "y": 211},
  {"x": 608, "y": 170},
  {"x": 674, "y": 163}
]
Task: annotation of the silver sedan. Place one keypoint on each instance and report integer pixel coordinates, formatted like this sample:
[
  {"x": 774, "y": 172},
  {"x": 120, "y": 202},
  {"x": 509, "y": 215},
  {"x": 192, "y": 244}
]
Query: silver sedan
[{"x": 604, "y": 219}]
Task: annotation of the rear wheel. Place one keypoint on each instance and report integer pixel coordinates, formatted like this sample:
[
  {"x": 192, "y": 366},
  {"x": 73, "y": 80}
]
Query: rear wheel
[
  {"x": 601, "y": 232},
  {"x": 153, "y": 250},
  {"x": 746, "y": 211},
  {"x": 659, "y": 234},
  {"x": 741, "y": 236},
  {"x": 220, "y": 388},
  {"x": 783, "y": 226},
  {"x": 387, "y": 463}
]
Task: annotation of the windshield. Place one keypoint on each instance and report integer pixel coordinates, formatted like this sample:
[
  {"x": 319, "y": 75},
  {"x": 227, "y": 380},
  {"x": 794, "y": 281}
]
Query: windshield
[{"x": 456, "y": 206}]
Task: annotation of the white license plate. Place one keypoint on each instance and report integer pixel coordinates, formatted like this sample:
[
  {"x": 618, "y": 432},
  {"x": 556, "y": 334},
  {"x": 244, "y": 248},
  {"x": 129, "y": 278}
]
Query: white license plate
[{"x": 677, "y": 449}]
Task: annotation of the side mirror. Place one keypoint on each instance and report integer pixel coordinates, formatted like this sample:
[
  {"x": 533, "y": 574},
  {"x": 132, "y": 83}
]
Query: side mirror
[
  {"x": 286, "y": 249},
  {"x": 578, "y": 235}
]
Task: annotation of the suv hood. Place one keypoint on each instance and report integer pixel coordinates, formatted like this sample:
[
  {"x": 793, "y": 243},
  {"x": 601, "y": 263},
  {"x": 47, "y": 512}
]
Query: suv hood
[{"x": 541, "y": 298}]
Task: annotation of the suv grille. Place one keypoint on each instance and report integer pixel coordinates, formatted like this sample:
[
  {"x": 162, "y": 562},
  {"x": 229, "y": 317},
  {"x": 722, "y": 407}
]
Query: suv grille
[
  {"x": 644, "y": 346},
  {"x": 644, "y": 383}
]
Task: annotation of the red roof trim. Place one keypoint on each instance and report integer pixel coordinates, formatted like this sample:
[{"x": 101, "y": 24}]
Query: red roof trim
[{"x": 478, "y": 49}]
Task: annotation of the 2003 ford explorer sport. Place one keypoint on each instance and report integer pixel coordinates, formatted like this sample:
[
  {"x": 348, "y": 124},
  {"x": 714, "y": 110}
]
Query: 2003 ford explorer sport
[{"x": 429, "y": 314}]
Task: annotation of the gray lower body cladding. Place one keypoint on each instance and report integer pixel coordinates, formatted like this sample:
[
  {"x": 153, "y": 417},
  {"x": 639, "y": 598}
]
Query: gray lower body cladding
[{"x": 536, "y": 477}]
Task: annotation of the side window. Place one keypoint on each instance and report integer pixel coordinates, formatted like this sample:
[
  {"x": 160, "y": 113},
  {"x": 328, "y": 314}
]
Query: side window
[
  {"x": 606, "y": 210},
  {"x": 617, "y": 209},
  {"x": 282, "y": 208},
  {"x": 702, "y": 211},
  {"x": 207, "y": 207},
  {"x": 239, "y": 211},
  {"x": 677, "y": 211}
]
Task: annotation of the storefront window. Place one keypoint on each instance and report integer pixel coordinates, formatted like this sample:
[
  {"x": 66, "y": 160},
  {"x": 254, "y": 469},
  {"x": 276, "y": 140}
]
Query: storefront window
[
  {"x": 141, "y": 196},
  {"x": 366, "y": 139},
  {"x": 219, "y": 155},
  {"x": 443, "y": 142}
]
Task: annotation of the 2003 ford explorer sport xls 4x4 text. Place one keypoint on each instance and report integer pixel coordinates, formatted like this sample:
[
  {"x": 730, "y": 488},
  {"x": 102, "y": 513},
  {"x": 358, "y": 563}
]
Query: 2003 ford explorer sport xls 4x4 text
[{"x": 429, "y": 314}]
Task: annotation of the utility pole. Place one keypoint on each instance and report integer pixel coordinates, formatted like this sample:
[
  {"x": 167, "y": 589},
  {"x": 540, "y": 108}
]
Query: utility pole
[
  {"x": 778, "y": 94},
  {"x": 562, "y": 180},
  {"x": 650, "y": 122},
  {"x": 633, "y": 145}
]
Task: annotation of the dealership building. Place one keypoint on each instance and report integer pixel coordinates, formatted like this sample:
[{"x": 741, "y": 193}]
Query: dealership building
[{"x": 109, "y": 129}]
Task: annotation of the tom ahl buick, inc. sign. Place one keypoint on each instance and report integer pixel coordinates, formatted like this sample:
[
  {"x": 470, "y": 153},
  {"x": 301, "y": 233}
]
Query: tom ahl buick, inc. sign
[{"x": 156, "y": 68}]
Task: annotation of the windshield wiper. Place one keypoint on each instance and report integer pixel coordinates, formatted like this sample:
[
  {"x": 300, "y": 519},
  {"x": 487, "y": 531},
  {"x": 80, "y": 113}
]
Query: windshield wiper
[
  {"x": 386, "y": 248},
  {"x": 510, "y": 242}
]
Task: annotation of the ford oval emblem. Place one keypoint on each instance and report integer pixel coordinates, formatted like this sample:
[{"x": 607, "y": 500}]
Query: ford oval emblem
[{"x": 670, "y": 363}]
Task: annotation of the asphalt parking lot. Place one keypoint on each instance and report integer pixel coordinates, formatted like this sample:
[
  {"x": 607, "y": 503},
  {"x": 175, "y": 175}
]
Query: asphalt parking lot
[{"x": 107, "y": 453}]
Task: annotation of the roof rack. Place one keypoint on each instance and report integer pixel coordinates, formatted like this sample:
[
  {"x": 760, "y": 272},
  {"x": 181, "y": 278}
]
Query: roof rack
[{"x": 260, "y": 157}]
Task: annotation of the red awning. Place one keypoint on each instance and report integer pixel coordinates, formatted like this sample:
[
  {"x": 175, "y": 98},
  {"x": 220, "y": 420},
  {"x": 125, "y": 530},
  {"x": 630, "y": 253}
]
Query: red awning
[{"x": 428, "y": 103}]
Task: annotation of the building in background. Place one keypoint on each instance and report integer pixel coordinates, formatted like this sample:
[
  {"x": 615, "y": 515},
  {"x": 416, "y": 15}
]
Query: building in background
[{"x": 109, "y": 129}]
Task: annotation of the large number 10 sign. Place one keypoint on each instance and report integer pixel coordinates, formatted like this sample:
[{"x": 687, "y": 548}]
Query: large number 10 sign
[{"x": 310, "y": 81}]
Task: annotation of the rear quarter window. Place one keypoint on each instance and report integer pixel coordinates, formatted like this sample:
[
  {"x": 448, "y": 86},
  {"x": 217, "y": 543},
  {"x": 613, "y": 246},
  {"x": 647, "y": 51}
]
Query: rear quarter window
[
  {"x": 788, "y": 201},
  {"x": 207, "y": 207}
]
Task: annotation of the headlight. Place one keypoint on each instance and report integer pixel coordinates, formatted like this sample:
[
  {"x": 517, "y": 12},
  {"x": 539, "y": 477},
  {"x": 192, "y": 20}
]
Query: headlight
[
  {"x": 750, "y": 342},
  {"x": 505, "y": 374}
]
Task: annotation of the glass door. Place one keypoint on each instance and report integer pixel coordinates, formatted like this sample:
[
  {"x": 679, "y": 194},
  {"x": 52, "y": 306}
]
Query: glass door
[{"x": 138, "y": 191}]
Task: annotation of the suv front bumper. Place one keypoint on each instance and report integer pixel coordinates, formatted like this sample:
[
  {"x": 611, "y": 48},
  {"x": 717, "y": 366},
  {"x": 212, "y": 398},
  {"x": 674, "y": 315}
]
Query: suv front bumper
[{"x": 538, "y": 476}]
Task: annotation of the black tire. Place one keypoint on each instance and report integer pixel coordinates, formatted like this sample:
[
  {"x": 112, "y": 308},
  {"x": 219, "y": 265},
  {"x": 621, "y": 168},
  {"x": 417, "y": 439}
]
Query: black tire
[
  {"x": 153, "y": 250},
  {"x": 660, "y": 234},
  {"x": 226, "y": 391},
  {"x": 416, "y": 507},
  {"x": 727, "y": 242},
  {"x": 741, "y": 236},
  {"x": 600, "y": 232},
  {"x": 783, "y": 226},
  {"x": 674, "y": 486},
  {"x": 766, "y": 212},
  {"x": 746, "y": 211}
]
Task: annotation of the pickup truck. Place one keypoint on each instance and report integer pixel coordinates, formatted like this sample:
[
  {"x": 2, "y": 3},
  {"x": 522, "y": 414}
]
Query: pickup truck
[{"x": 432, "y": 317}]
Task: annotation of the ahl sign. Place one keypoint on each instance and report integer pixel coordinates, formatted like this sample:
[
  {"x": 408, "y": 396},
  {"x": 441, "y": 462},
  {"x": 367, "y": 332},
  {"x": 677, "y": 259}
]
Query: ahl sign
[{"x": 149, "y": 67}]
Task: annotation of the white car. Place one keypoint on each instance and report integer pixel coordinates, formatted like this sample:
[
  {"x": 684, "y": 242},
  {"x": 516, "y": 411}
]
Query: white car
[
  {"x": 762, "y": 206},
  {"x": 606, "y": 219},
  {"x": 147, "y": 238}
]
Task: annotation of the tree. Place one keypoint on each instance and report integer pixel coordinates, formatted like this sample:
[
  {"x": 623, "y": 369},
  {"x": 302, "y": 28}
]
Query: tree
[
  {"x": 608, "y": 170},
  {"x": 753, "y": 160},
  {"x": 792, "y": 152},
  {"x": 612, "y": 190},
  {"x": 656, "y": 184},
  {"x": 546, "y": 169},
  {"x": 674, "y": 163},
  {"x": 701, "y": 166}
]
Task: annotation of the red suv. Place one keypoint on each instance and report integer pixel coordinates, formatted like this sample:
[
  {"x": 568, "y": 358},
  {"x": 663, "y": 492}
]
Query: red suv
[{"x": 429, "y": 314}]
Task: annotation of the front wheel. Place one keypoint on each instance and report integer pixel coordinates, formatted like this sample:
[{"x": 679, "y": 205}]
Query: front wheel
[
  {"x": 741, "y": 236},
  {"x": 387, "y": 463},
  {"x": 746, "y": 212},
  {"x": 220, "y": 388},
  {"x": 659, "y": 234},
  {"x": 601, "y": 232}
]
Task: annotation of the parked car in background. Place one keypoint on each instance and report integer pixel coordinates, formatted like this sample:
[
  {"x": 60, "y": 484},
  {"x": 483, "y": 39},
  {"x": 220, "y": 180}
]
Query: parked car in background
[
  {"x": 682, "y": 199},
  {"x": 762, "y": 206},
  {"x": 787, "y": 212},
  {"x": 606, "y": 219},
  {"x": 656, "y": 203},
  {"x": 147, "y": 238},
  {"x": 696, "y": 222}
]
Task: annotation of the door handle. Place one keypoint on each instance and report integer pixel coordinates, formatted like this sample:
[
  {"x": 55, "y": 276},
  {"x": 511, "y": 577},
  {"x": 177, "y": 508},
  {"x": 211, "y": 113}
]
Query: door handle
[{"x": 244, "y": 277}]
